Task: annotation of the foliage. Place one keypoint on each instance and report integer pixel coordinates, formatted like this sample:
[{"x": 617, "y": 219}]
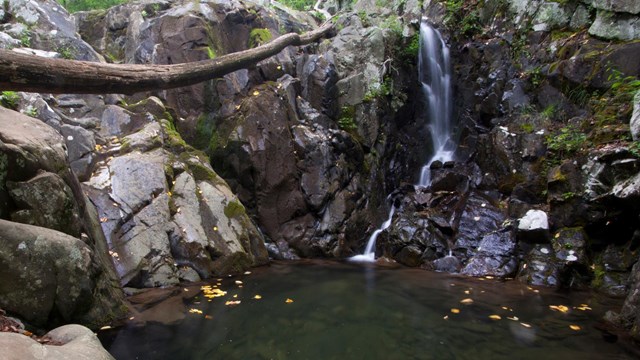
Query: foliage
[
  {"x": 535, "y": 76},
  {"x": 258, "y": 37},
  {"x": 211, "y": 53},
  {"x": 85, "y": 5},
  {"x": 462, "y": 16},
  {"x": 567, "y": 141},
  {"x": 300, "y": 5},
  {"x": 25, "y": 38},
  {"x": 9, "y": 99},
  {"x": 384, "y": 89},
  {"x": 346, "y": 121},
  {"x": 549, "y": 112},
  {"x": 527, "y": 128},
  {"x": 66, "y": 52},
  {"x": 614, "y": 104},
  {"x": 31, "y": 111}
]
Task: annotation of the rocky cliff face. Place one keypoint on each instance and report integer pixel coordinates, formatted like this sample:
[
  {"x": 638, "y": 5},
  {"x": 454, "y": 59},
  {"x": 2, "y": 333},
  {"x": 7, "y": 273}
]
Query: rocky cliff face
[{"x": 544, "y": 188}]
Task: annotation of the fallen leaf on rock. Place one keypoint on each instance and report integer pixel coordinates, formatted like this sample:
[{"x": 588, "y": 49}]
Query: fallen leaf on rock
[
  {"x": 256, "y": 93},
  {"x": 560, "y": 308}
]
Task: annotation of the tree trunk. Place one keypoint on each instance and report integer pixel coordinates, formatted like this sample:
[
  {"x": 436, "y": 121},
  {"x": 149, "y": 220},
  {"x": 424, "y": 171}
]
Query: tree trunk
[{"x": 20, "y": 72}]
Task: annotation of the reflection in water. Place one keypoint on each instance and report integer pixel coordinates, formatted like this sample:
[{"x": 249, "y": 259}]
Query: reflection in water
[{"x": 363, "y": 311}]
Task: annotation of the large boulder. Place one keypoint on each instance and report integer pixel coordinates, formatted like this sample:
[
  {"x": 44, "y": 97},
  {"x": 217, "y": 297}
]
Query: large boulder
[
  {"x": 73, "y": 342},
  {"x": 48, "y": 277}
]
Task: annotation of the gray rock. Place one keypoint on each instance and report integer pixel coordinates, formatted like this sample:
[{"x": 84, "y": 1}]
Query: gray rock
[
  {"x": 550, "y": 15},
  {"x": 449, "y": 264},
  {"x": 534, "y": 226},
  {"x": 539, "y": 267},
  {"x": 629, "y": 6},
  {"x": 80, "y": 142},
  {"x": 78, "y": 343},
  {"x": 495, "y": 256},
  {"x": 635, "y": 118},
  {"x": 580, "y": 18},
  {"x": 138, "y": 178},
  {"x": 615, "y": 26},
  {"x": 46, "y": 201},
  {"x": 50, "y": 277}
]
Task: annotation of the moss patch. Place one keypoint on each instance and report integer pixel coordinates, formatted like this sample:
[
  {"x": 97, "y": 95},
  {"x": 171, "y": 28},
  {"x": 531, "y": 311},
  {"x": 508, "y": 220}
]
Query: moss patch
[
  {"x": 234, "y": 209},
  {"x": 258, "y": 37}
]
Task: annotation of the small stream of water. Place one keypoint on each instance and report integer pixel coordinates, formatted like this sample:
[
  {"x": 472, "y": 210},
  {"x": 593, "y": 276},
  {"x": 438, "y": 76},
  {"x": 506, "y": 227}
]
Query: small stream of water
[{"x": 350, "y": 311}]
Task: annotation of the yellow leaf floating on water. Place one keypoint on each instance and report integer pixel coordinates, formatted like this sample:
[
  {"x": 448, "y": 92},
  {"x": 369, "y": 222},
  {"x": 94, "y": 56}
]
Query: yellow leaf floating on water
[
  {"x": 583, "y": 307},
  {"x": 256, "y": 93},
  {"x": 513, "y": 318},
  {"x": 575, "y": 327},
  {"x": 195, "y": 311},
  {"x": 455, "y": 311},
  {"x": 232, "y": 302},
  {"x": 238, "y": 282},
  {"x": 208, "y": 317},
  {"x": 446, "y": 317},
  {"x": 494, "y": 317},
  {"x": 467, "y": 292},
  {"x": 560, "y": 308},
  {"x": 525, "y": 325},
  {"x": 107, "y": 327},
  {"x": 288, "y": 301},
  {"x": 257, "y": 297},
  {"x": 466, "y": 301}
]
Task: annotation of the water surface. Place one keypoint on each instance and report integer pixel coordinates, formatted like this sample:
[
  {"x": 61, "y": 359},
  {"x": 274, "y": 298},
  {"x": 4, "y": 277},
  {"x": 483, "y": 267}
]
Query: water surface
[{"x": 363, "y": 311}]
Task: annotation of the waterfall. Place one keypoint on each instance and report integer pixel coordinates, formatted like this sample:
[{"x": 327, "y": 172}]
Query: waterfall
[
  {"x": 434, "y": 73},
  {"x": 370, "y": 252}
]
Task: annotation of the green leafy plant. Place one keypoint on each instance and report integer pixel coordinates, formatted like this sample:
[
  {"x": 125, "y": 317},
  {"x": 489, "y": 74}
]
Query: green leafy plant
[
  {"x": 9, "y": 99},
  {"x": 25, "y": 38},
  {"x": 549, "y": 112},
  {"x": 85, "y": 5},
  {"x": 346, "y": 121},
  {"x": 567, "y": 141},
  {"x": 66, "y": 52},
  {"x": 258, "y": 37},
  {"x": 300, "y": 5},
  {"x": 462, "y": 16}
]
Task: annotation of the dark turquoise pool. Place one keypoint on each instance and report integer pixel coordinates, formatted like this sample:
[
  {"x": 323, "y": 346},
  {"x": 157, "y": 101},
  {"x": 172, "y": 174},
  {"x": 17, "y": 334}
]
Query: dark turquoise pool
[{"x": 355, "y": 311}]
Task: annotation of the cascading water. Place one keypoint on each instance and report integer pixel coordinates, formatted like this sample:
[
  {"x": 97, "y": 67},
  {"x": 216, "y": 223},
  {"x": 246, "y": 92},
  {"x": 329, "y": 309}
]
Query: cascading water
[
  {"x": 370, "y": 251},
  {"x": 434, "y": 73}
]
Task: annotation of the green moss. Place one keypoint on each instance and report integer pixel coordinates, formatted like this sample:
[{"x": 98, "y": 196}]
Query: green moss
[
  {"x": 598, "y": 276},
  {"x": 527, "y": 128},
  {"x": 234, "y": 209},
  {"x": 258, "y": 37}
]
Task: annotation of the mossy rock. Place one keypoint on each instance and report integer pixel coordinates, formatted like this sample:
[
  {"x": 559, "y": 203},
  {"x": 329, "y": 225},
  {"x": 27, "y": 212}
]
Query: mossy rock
[{"x": 234, "y": 209}]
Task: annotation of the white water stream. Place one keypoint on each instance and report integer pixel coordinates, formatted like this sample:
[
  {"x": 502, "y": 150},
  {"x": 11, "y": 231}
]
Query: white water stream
[{"x": 434, "y": 73}]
